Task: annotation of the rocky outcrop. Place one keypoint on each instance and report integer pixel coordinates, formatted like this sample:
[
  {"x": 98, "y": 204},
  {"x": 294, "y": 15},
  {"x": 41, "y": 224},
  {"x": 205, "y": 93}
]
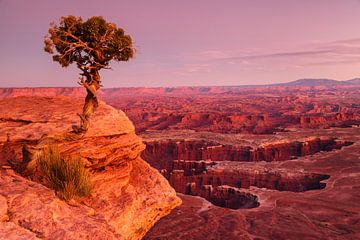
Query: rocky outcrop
[
  {"x": 128, "y": 195},
  {"x": 32, "y": 211}
]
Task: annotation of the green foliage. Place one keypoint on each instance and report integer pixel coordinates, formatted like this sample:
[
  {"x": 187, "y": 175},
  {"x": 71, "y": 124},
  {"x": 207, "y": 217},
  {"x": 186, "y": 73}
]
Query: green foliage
[
  {"x": 91, "y": 44},
  {"x": 68, "y": 178}
]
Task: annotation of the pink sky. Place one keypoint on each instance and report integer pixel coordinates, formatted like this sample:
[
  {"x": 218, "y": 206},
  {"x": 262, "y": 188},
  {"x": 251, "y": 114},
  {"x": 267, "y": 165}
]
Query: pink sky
[{"x": 192, "y": 42}]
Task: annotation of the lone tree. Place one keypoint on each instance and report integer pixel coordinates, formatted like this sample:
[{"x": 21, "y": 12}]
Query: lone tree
[{"x": 91, "y": 44}]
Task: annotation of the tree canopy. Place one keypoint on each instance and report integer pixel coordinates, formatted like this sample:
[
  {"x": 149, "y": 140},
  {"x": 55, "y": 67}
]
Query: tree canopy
[{"x": 91, "y": 44}]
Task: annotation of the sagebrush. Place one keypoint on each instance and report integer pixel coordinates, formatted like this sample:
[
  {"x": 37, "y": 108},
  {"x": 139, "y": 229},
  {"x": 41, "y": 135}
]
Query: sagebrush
[{"x": 68, "y": 178}]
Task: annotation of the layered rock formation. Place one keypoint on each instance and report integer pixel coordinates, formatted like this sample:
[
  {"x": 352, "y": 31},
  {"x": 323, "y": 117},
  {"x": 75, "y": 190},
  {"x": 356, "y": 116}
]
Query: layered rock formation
[
  {"x": 244, "y": 176},
  {"x": 220, "y": 167},
  {"x": 194, "y": 150},
  {"x": 128, "y": 195},
  {"x": 326, "y": 213}
]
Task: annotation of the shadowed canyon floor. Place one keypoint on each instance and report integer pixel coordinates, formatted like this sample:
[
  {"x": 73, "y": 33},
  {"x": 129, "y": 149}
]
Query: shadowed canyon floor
[{"x": 248, "y": 163}]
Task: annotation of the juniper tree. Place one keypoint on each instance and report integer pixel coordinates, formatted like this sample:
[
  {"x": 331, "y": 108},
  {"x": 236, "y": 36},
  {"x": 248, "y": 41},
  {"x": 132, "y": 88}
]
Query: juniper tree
[{"x": 91, "y": 45}]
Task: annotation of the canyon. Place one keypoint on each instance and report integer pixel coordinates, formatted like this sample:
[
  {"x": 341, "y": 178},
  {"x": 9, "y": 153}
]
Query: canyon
[
  {"x": 255, "y": 162},
  {"x": 201, "y": 166},
  {"x": 311, "y": 197}
]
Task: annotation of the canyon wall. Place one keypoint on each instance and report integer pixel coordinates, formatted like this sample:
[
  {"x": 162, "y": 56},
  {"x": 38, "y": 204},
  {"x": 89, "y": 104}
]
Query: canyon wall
[
  {"x": 220, "y": 173},
  {"x": 245, "y": 176},
  {"x": 160, "y": 152}
]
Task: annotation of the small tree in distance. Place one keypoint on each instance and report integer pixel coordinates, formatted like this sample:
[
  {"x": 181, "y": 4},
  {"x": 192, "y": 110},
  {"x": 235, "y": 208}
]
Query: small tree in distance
[{"x": 91, "y": 44}]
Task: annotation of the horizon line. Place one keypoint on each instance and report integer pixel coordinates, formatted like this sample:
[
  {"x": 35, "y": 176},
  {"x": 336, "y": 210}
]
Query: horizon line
[{"x": 182, "y": 86}]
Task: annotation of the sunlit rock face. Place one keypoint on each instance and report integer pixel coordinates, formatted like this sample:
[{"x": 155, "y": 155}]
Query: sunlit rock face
[{"x": 128, "y": 195}]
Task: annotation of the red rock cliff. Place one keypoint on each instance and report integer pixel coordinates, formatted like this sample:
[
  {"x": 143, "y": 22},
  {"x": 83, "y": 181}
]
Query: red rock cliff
[{"x": 128, "y": 195}]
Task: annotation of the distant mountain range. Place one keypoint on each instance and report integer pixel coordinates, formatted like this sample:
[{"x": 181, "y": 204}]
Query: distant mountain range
[{"x": 319, "y": 82}]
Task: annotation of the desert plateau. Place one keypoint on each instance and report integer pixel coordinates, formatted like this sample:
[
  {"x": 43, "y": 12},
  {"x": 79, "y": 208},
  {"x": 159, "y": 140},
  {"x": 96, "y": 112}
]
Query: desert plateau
[{"x": 272, "y": 162}]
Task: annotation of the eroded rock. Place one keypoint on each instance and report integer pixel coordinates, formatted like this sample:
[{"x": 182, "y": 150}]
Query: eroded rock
[{"x": 128, "y": 195}]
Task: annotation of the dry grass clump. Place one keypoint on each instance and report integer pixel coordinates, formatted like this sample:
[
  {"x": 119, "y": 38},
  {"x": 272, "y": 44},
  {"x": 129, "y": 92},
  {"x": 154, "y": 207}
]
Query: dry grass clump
[{"x": 68, "y": 178}]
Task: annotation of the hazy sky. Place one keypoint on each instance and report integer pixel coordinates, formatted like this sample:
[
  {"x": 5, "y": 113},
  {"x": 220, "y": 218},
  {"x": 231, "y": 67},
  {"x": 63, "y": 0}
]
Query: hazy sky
[{"x": 192, "y": 42}]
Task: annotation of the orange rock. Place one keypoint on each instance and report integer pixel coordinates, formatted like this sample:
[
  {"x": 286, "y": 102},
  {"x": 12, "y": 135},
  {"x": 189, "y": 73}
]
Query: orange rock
[{"x": 128, "y": 195}]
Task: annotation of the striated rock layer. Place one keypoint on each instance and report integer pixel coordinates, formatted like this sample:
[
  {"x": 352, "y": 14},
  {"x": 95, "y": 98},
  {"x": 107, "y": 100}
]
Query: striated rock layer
[
  {"x": 294, "y": 202},
  {"x": 128, "y": 195},
  {"x": 220, "y": 167},
  {"x": 196, "y": 150}
]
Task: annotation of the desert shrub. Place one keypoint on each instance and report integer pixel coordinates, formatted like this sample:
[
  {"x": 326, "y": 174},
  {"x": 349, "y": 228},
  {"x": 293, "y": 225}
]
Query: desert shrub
[{"x": 68, "y": 178}]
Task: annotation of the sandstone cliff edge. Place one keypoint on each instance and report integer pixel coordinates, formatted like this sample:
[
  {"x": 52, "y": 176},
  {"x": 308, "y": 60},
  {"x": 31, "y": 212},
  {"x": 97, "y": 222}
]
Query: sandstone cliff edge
[{"x": 128, "y": 195}]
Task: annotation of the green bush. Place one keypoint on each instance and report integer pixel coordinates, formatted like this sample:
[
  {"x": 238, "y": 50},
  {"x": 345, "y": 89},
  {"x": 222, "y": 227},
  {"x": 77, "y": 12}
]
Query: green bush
[{"x": 68, "y": 178}]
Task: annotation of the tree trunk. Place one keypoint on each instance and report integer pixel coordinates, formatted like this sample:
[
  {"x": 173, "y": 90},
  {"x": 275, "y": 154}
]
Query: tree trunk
[{"x": 92, "y": 85}]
